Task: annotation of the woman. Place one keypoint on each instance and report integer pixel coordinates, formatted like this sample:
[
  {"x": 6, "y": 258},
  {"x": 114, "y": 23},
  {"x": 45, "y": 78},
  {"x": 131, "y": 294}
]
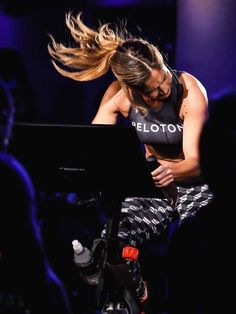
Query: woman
[{"x": 167, "y": 108}]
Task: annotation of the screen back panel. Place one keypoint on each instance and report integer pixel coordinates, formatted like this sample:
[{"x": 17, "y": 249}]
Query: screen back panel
[{"x": 71, "y": 158}]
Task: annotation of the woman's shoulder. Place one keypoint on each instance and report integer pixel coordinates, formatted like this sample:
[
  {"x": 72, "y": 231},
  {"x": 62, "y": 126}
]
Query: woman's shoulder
[
  {"x": 191, "y": 82},
  {"x": 188, "y": 78},
  {"x": 111, "y": 91},
  {"x": 114, "y": 87}
]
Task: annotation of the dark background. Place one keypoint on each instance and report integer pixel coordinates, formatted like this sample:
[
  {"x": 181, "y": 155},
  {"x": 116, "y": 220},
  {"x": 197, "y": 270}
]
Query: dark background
[{"x": 196, "y": 36}]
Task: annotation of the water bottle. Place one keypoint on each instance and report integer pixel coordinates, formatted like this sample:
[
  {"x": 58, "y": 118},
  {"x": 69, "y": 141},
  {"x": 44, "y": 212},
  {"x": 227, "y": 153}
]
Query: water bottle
[{"x": 88, "y": 270}]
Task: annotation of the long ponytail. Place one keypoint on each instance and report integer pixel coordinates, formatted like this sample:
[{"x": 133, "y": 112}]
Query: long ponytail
[{"x": 90, "y": 58}]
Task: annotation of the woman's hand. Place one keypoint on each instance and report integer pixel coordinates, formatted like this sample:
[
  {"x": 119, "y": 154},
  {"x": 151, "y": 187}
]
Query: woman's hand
[{"x": 162, "y": 176}]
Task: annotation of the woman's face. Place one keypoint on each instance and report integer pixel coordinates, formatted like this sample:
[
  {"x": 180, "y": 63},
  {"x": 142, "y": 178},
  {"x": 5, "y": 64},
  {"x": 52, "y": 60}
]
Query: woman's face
[{"x": 158, "y": 85}]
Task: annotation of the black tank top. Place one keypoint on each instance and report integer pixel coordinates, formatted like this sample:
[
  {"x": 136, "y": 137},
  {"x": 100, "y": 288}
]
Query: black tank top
[{"x": 162, "y": 128}]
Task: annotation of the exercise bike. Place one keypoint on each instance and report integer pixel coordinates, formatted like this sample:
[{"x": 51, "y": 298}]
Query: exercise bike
[{"x": 116, "y": 273}]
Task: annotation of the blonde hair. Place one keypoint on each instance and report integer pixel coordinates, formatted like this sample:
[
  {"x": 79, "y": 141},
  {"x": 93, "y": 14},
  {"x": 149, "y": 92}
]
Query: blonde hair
[
  {"x": 90, "y": 59},
  {"x": 130, "y": 59},
  {"x": 98, "y": 50}
]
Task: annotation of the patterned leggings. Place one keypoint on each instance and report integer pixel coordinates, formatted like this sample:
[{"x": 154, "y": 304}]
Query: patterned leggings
[{"x": 144, "y": 218}]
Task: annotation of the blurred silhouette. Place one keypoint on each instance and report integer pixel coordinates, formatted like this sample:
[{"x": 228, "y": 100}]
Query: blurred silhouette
[
  {"x": 202, "y": 250},
  {"x": 13, "y": 74},
  {"x": 7, "y": 111},
  {"x": 217, "y": 145},
  {"x": 28, "y": 284}
]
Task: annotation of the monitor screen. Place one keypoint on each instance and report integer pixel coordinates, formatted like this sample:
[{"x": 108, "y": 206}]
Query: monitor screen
[{"x": 73, "y": 158}]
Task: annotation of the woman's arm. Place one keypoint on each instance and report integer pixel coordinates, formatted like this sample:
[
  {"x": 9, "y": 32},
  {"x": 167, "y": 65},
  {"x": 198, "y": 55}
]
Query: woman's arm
[
  {"x": 113, "y": 102},
  {"x": 194, "y": 112}
]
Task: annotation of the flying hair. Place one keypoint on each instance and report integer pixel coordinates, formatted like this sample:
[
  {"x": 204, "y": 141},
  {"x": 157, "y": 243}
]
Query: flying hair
[{"x": 90, "y": 57}]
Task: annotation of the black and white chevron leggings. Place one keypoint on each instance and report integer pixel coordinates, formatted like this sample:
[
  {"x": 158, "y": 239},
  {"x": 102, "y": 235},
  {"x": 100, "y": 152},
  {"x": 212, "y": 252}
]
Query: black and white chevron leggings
[{"x": 144, "y": 218}]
